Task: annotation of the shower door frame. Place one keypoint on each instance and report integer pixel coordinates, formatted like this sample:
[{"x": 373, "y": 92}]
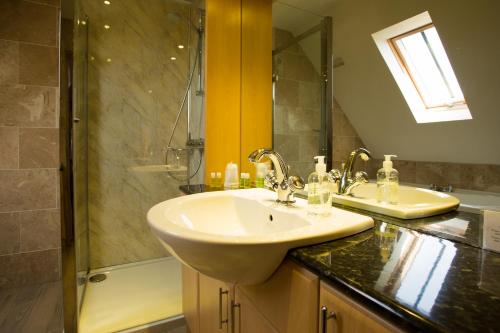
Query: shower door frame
[{"x": 325, "y": 134}]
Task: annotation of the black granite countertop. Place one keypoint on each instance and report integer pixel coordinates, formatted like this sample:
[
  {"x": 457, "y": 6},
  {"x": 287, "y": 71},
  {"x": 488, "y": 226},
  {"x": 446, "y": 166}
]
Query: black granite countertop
[{"x": 431, "y": 273}]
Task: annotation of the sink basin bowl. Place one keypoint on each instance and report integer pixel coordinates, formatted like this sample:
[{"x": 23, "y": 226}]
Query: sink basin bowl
[
  {"x": 242, "y": 236},
  {"x": 413, "y": 202}
]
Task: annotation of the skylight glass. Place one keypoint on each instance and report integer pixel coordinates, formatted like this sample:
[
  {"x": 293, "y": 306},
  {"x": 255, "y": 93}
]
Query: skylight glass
[
  {"x": 418, "y": 62},
  {"x": 427, "y": 63}
]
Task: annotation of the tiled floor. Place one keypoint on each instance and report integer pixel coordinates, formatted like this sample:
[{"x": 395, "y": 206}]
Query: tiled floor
[
  {"x": 133, "y": 295},
  {"x": 32, "y": 309}
]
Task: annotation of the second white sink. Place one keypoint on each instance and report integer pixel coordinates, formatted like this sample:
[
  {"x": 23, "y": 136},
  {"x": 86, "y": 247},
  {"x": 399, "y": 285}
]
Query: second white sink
[
  {"x": 413, "y": 202},
  {"x": 242, "y": 236}
]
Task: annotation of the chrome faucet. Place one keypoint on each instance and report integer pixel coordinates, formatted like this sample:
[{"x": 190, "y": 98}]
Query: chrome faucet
[
  {"x": 278, "y": 179},
  {"x": 344, "y": 179}
]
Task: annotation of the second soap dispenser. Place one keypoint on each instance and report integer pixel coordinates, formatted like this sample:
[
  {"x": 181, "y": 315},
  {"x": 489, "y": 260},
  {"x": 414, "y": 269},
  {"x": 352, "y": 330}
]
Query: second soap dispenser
[
  {"x": 318, "y": 193},
  {"x": 387, "y": 182}
]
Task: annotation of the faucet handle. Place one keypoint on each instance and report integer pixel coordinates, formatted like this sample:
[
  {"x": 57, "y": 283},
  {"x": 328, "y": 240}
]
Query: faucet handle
[
  {"x": 334, "y": 175},
  {"x": 361, "y": 177},
  {"x": 296, "y": 183},
  {"x": 271, "y": 181}
]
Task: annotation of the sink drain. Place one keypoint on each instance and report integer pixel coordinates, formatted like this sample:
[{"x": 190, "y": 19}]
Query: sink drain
[{"x": 97, "y": 278}]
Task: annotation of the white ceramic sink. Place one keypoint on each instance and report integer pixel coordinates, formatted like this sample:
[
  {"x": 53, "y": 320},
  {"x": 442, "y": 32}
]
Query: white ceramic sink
[
  {"x": 413, "y": 202},
  {"x": 242, "y": 236}
]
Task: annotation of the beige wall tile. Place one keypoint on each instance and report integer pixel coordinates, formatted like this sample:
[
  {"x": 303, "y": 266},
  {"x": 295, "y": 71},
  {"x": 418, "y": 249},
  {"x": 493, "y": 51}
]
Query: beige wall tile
[
  {"x": 287, "y": 147},
  {"x": 9, "y": 147},
  {"x": 9, "y": 234},
  {"x": 39, "y": 230},
  {"x": 28, "y": 22},
  {"x": 38, "y": 65},
  {"x": 28, "y": 106},
  {"x": 287, "y": 92},
  {"x": 9, "y": 62},
  {"x": 480, "y": 177},
  {"x": 29, "y": 268},
  {"x": 38, "y": 148},
  {"x": 407, "y": 170},
  {"x": 27, "y": 189}
]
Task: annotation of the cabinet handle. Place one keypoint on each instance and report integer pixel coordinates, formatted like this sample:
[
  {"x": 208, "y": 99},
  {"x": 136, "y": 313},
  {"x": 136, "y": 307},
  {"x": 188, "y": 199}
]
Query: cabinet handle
[
  {"x": 235, "y": 306},
  {"x": 222, "y": 321},
  {"x": 325, "y": 315}
]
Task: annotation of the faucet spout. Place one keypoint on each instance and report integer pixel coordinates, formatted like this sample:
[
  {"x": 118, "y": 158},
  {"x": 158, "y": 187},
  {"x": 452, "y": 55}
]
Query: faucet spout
[
  {"x": 345, "y": 180},
  {"x": 278, "y": 162},
  {"x": 278, "y": 179}
]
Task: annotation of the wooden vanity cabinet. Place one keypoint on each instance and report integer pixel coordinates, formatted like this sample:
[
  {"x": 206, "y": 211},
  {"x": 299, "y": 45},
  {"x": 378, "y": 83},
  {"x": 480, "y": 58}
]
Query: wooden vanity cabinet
[
  {"x": 293, "y": 300},
  {"x": 288, "y": 300},
  {"x": 340, "y": 314},
  {"x": 215, "y": 302},
  {"x": 191, "y": 298}
]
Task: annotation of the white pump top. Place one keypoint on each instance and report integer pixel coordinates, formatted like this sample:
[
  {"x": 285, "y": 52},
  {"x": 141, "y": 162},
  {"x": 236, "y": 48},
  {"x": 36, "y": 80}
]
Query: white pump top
[
  {"x": 320, "y": 165},
  {"x": 387, "y": 164}
]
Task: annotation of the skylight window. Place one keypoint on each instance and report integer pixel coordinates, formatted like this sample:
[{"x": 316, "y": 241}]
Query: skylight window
[{"x": 417, "y": 59}]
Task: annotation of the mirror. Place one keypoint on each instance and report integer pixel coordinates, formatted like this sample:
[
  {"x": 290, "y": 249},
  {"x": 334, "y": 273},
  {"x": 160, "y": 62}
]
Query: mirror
[
  {"x": 301, "y": 95},
  {"x": 369, "y": 109}
]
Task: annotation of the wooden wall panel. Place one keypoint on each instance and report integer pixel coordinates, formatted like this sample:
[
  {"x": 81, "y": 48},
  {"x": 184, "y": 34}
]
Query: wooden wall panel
[
  {"x": 256, "y": 79},
  {"x": 238, "y": 82},
  {"x": 223, "y": 84}
]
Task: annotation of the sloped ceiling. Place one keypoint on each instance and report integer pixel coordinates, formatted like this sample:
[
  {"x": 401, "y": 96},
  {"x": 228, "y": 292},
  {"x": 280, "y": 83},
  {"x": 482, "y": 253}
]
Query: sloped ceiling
[{"x": 374, "y": 104}]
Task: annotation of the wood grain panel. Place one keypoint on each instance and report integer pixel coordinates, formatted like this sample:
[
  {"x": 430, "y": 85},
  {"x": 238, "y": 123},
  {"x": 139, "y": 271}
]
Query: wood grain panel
[
  {"x": 256, "y": 79},
  {"x": 190, "y": 298},
  {"x": 351, "y": 317},
  {"x": 223, "y": 84},
  {"x": 289, "y": 299}
]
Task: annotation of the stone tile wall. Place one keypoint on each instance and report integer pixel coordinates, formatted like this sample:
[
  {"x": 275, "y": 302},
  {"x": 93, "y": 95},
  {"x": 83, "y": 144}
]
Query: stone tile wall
[
  {"x": 297, "y": 106},
  {"x": 29, "y": 136}
]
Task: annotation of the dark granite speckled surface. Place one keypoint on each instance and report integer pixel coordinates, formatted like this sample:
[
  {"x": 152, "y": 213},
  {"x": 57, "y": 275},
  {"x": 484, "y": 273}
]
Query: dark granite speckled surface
[{"x": 429, "y": 272}]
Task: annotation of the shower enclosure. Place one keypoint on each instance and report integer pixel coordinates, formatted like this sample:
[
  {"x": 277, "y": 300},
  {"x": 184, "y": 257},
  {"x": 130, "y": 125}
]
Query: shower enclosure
[
  {"x": 137, "y": 135},
  {"x": 302, "y": 90}
]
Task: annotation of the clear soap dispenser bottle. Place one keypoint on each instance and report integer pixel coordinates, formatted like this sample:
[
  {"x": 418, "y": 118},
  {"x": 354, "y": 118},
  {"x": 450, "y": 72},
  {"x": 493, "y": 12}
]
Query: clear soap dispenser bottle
[
  {"x": 387, "y": 182},
  {"x": 318, "y": 193}
]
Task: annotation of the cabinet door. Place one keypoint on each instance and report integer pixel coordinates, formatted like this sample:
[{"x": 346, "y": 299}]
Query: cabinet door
[
  {"x": 247, "y": 319},
  {"x": 190, "y": 298},
  {"x": 340, "y": 314},
  {"x": 289, "y": 299},
  {"x": 215, "y": 298}
]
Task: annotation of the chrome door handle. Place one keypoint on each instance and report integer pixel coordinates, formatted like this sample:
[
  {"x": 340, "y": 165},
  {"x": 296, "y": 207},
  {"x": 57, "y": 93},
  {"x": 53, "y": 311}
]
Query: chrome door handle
[
  {"x": 325, "y": 315},
  {"x": 222, "y": 321},
  {"x": 235, "y": 306}
]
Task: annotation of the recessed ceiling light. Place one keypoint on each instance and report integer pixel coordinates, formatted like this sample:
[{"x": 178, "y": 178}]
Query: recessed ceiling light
[
  {"x": 107, "y": 2},
  {"x": 180, "y": 46},
  {"x": 173, "y": 58},
  {"x": 83, "y": 22},
  {"x": 108, "y": 60},
  {"x": 107, "y": 26}
]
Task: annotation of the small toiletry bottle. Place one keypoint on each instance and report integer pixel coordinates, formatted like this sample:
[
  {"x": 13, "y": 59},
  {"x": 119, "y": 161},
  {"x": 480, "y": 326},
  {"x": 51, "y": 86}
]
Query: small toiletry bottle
[
  {"x": 245, "y": 180},
  {"x": 318, "y": 184},
  {"x": 387, "y": 182},
  {"x": 218, "y": 178},
  {"x": 260, "y": 174},
  {"x": 213, "y": 180},
  {"x": 231, "y": 176}
]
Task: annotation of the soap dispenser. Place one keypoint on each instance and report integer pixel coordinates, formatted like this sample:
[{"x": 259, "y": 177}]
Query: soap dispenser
[
  {"x": 387, "y": 182},
  {"x": 318, "y": 194}
]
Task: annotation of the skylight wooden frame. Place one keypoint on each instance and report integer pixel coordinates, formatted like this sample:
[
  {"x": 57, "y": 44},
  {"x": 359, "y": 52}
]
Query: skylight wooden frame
[
  {"x": 405, "y": 81},
  {"x": 402, "y": 60}
]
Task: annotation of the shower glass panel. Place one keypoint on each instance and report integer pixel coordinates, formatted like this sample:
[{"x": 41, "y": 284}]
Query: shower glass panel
[
  {"x": 137, "y": 136},
  {"x": 301, "y": 98}
]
